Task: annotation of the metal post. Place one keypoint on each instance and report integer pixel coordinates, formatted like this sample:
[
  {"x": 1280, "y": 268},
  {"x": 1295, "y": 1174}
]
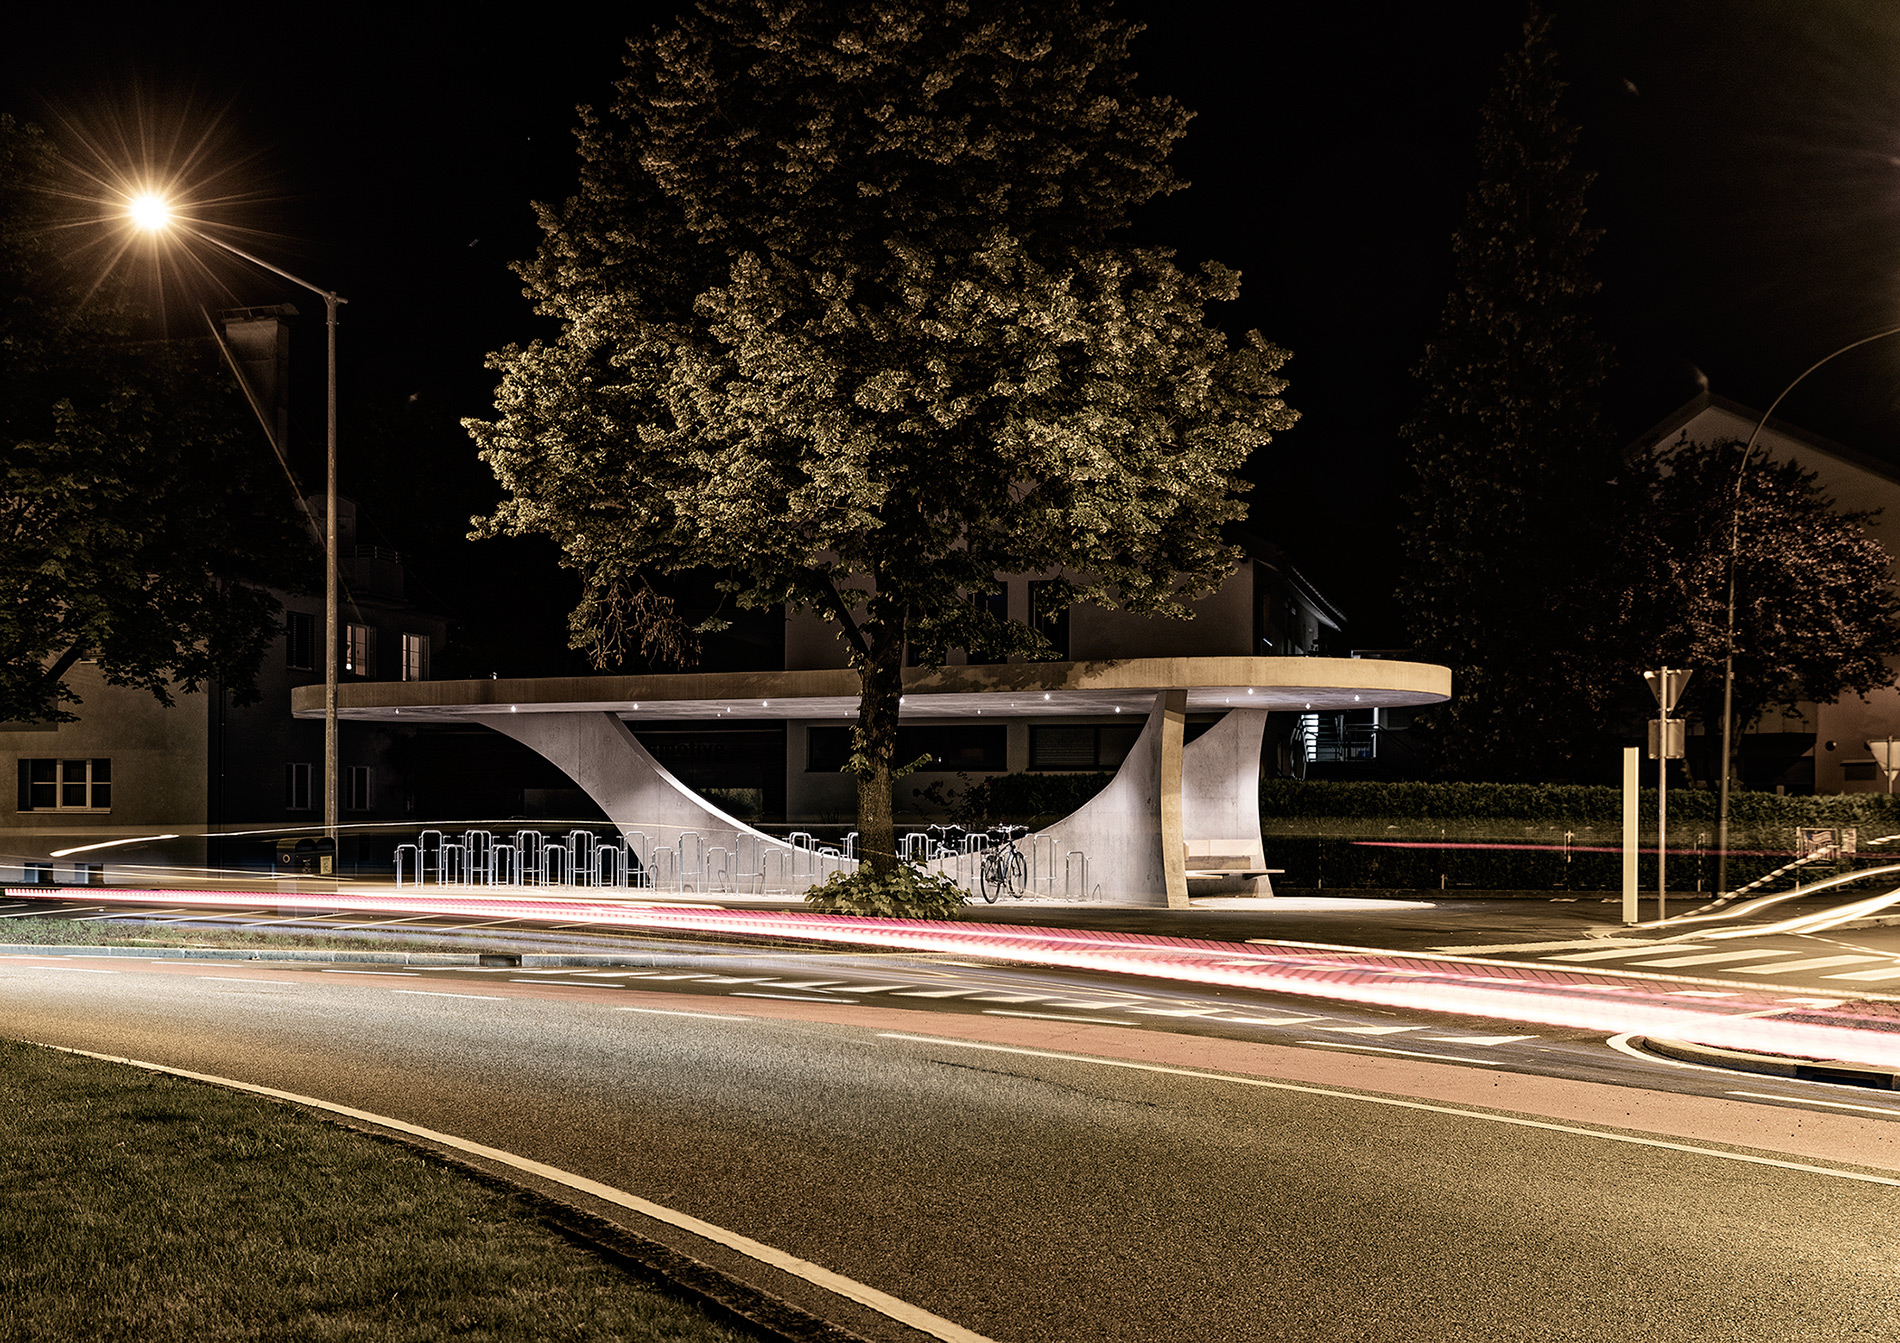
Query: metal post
[
  {"x": 330, "y": 587},
  {"x": 1630, "y": 776}
]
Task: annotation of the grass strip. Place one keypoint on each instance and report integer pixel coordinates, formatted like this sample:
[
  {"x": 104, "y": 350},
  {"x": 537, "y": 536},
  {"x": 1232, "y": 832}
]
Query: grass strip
[
  {"x": 58, "y": 932},
  {"x": 139, "y": 1206}
]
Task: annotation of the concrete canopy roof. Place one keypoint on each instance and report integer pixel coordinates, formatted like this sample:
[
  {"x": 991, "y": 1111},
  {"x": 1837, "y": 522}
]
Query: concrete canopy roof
[{"x": 1027, "y": 689}]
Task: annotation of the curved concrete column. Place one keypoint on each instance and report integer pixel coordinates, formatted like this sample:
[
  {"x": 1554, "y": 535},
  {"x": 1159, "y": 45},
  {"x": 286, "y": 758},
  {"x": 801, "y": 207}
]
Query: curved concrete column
[
  {"x": 606, "y": 761},
  {"x": 1132, "y": 829},
  {"x": 1220, "y": 801}
]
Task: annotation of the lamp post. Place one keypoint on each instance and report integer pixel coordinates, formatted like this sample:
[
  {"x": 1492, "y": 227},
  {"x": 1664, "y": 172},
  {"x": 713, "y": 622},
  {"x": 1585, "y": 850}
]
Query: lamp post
[
  {"x": 1734, "y": 554},
  {"x": 154, "y": 215}
]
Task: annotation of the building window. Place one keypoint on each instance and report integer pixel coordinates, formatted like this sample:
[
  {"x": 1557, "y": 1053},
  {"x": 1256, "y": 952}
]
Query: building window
[
  {"x": 415, "y": 657},
  {"x": 65, "y": 785},
  {"x": 297, "y": 787},
  {"x": 300, "y": 641},
  {"x": 359, "y": 650},
  {"x": 1050, "y": 621},
  {"x": 356, "y": 789},
  {"x": 1063, "y": 746}
]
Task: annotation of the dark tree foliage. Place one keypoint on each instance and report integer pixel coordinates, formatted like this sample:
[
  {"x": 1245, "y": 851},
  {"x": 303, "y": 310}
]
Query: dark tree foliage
[
  {"x": 845, "y": 318},
  {"x": 1510, "y": 554},
  {"x": 137, "y": 508},
  {"x": 1815, "y": 613}
]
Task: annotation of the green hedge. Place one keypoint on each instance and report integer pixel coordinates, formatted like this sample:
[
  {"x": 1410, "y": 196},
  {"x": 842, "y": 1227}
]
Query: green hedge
[{"x": 1572, "y": 803}]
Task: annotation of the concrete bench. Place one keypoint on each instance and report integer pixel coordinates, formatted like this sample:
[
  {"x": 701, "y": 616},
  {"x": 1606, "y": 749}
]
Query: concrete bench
[{"x": 1232, "y": 874}]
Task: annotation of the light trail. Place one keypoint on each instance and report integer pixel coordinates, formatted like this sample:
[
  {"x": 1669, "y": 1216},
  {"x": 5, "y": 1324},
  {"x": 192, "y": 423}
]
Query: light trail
[{"x": 1857, "y": 1028}]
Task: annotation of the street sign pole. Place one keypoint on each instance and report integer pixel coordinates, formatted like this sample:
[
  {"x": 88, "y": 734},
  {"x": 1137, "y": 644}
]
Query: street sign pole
[
  {"x": 1884, "y": 755},
  {"x": 1666, "y": 685}
]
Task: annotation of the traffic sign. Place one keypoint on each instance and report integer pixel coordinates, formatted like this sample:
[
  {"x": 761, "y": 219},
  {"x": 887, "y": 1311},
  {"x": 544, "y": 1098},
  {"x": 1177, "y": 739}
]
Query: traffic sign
[{"x": 1666, "y": 685}]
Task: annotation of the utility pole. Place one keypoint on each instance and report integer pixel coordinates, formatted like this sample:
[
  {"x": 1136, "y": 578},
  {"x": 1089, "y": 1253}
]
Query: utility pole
[{"x": 1666, "y": 743}]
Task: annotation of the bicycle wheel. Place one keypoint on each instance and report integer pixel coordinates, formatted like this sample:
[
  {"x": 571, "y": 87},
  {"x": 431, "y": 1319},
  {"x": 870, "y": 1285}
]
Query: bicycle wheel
[
  {"x": 989, "y": 878},
  {"x": 1018, "y": 874}
]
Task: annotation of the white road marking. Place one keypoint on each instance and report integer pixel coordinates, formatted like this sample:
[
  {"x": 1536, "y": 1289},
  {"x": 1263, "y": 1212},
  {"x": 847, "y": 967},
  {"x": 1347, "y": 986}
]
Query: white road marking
[
  {"x": 1612, "y": 955},
  {"x": 1814, "y": 963},
  {"x": 886, "y": 988},
  {"x": 382, "y": 974},
  {"x": 1539, "y": 946},
  {"x": 1051, "y": 1016},
  {"x": 1375, "y": 1030},
  {"x": 882, "y": 1302},
  {"x": 1393, "y": 1101},
  {"x": 1274, "y": 1021},
  {"x": 1096, "y": 1007},
  {"x": 1480, "y": 1039},
  {"x": 729, "y": 979},
  {"x": 1408, "y": 1053},
  {"x": 669, "y": 1012},
  {"x": 789, "y": 997},
  {"x": 671, "y": 976},
  {"x": 1812, "y": 1100},
  {"x": 430, "y": 993},
  {"x": 253, "y": 979},
  {"x": 1010, "y": 998},
  {"x": 1170, "y": 1011},
  {"x": 76, "y": 969},
  {"x": 1867, "y": 976},
  {"x": 565, "y": 983},
  {"x": 1715, "y": 957},
  {"x": 932, "y": 993},
  {"x": 805, "y": 983}
]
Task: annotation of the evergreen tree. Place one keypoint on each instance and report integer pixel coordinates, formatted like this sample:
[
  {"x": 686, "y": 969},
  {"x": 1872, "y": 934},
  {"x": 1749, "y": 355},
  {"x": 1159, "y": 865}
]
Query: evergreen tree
[
  {"x": 1510, "y": 544},
  {"x": 846, "y": 320}
]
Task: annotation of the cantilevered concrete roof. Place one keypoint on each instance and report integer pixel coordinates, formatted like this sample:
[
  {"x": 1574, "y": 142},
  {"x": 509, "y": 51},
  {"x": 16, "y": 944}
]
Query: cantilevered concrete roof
[{"x": 1040, "y": 689}]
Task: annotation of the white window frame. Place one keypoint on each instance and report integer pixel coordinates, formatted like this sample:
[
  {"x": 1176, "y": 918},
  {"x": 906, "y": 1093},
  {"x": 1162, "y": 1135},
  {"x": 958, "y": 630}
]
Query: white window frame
[
  {"x": 358, "y": 794},
  {"x": 92, "y": 777},
  {"x": 359, "y": 650},
  {"x": 415, "y": 657},
  {"x": 297, "y": 789}
]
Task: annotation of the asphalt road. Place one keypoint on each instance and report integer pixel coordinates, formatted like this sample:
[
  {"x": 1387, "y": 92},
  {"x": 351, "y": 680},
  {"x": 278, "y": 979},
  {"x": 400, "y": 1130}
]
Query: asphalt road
[{"x": 1031, "y": 1197}]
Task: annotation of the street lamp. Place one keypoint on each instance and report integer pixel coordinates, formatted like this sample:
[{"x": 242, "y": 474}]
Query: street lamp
[
  {"x": 154, "y": 214},
  {"x": 1734, "y": 554}
]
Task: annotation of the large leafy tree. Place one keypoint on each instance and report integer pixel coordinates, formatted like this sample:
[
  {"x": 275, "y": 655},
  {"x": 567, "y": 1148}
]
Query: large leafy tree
[
  {"x": 1509, "y": 577},
  {"x": 1816, "y": 616},
  {"x": 137, "y": 516},
  {"x": 846, "y": 318}
]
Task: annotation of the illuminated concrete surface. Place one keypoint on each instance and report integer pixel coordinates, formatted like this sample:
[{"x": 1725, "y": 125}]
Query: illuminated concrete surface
[{"x": 1168, "y": 807}]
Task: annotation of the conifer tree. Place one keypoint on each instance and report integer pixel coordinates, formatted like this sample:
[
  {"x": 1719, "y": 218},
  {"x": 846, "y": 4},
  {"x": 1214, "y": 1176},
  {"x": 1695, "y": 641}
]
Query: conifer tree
[{"x": 1510, "y": 543}]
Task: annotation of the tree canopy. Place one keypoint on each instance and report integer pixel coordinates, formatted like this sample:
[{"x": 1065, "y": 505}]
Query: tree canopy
[
  {"x": 137, "y": 512},
  {"x": 845, "y": 317},
  {"x": 1815, "y": 616},
  {"x": 1509, "y": 578}
]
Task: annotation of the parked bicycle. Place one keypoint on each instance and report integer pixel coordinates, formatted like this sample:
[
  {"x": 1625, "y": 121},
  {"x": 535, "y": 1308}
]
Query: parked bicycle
[{"x": 1004, "y": 870}]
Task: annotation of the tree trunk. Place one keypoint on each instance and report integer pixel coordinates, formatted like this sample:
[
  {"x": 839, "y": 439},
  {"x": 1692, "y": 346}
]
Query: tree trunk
[{"x": 882, "y": 685}]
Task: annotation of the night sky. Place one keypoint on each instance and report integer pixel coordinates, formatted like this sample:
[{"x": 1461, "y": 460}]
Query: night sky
[{"x": 1748, "y": 155}]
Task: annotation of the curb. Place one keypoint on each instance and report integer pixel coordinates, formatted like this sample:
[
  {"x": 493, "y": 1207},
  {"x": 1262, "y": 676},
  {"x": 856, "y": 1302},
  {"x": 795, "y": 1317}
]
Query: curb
[
  {"x": 524, "y": 960},
  {"x": 1775, "y": 1065}
]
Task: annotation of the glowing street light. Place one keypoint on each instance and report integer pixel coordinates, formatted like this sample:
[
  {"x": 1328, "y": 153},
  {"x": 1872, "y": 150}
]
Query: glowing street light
[{"x": 151, "y": 212}]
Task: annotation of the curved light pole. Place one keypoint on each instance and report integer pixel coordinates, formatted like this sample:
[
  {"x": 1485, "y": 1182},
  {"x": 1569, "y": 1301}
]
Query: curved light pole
[
  {"x": 154, "y": 215},
  {"x": 1734, "y": 554}
]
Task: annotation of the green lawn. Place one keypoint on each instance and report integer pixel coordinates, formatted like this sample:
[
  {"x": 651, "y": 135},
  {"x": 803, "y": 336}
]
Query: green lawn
[
  {"x": 54, "y": 932},
  {"x": 139, "y": 1206}
]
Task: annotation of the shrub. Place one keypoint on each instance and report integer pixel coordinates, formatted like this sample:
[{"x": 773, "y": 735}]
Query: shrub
[{"x": 908, "y": 893}]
